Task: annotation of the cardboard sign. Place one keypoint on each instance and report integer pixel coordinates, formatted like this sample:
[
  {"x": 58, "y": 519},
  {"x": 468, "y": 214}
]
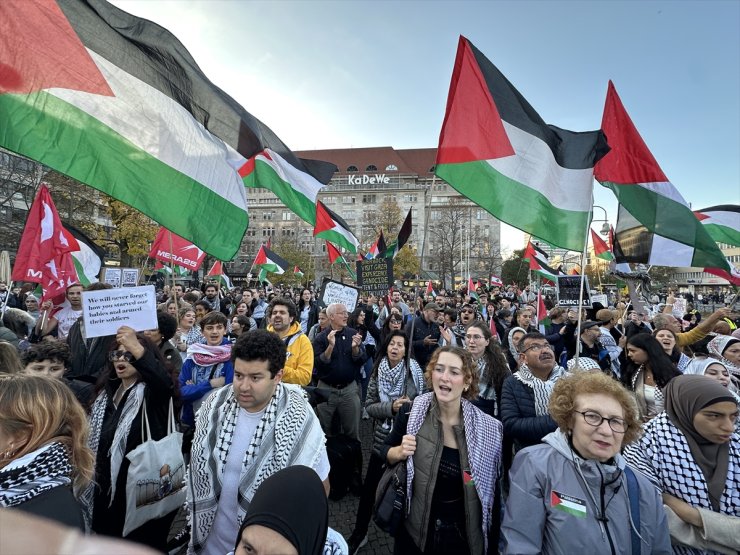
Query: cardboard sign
[
  {"x": 375, "y": 276},
  {"x": 569, "y": 288},
  {"x": 112, "y": 276},
  {"x": 107, "y": 310},
  {"x": 336, "y": 292}
]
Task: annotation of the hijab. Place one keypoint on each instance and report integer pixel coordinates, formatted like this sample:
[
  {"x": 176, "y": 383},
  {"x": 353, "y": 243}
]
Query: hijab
[
  {"x": 685, "y": 396},
  {"x": 718, "y": 346},
  {"x": 698, "y": 366},
  {"x": 292, "y": 502},
  {"x": 512, "y": 348}
]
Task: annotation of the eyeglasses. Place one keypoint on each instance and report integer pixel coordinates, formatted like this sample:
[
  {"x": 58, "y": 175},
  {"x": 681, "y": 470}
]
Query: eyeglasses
[
  {"x": 595, "y": 419},
  {"x": 115, "y": 355},
  {"x": 474, "y": 337},
  {"x": 538, "y": 347}
]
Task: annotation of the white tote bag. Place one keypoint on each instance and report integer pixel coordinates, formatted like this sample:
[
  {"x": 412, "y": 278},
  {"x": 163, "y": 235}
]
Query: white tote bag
[{"x": 155, "y": 484}]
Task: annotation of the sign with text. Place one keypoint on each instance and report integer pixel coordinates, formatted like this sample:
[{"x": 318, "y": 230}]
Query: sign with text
[
  {"x": 336, "y": 292},
  {"x": 375, "y": 276},
  {"x": 130, "y": 277},
  {"x": 569, "y": 288},
  {"x": 112, "y": 276},
  {"x": 107, "y": 310}
]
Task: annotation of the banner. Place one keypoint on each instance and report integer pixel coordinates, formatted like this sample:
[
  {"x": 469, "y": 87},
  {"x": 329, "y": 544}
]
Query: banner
[
  {"x": 168, "y": 247},
  {"x": 569, "y": 289},
  {"x": 107, "y": 310}
]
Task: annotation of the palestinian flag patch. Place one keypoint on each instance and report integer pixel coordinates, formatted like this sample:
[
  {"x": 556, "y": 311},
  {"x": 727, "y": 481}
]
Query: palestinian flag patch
[{"x": 568, "y": 504}]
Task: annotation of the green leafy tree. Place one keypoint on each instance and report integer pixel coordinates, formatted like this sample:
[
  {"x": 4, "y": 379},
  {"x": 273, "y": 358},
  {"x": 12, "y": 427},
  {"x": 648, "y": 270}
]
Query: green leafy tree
[{"x": 515, "y": 269}]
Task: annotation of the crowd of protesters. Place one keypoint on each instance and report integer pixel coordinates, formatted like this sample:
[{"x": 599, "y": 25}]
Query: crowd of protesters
[{"x": 613, "y": 430}]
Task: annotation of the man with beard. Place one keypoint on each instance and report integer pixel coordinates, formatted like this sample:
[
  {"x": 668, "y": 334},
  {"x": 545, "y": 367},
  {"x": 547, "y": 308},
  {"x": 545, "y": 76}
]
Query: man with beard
[
  {"x": 526, "y": 394},
  {"x": 215, "y": 302},
  {"x": 591, "y": 347},
  {"x": 282, "y": 314},
  {"x": 398, "y": 303}
]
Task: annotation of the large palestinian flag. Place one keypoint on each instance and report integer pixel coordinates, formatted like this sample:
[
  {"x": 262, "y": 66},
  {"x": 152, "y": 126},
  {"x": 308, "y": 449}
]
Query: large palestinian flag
[
  {"x": 655, "y": 224},
  {"x": 497, "y": 151},
  {"x": 722, "y": 223},
  {"x": 118, "y": 103},
  {"x": 330, "y": 226}
]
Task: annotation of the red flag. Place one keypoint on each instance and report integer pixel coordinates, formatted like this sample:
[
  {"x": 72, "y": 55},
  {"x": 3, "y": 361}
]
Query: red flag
[
  {"x": 492, "y": 325},
  {"x": 430, "y": 289},
  {"x": 334, "y": 254},
  {"x": 216, "y": 270},
  {"x": 44, "y": 239},
  {"x": 496, "y": 281},
  {"x": 168, "y": 247},
  {"x": 59, "y": 274},
  {"x": 601, "y": 249}
]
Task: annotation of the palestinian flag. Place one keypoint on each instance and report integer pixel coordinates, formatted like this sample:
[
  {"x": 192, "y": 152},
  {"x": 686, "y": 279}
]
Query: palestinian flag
[
  {"x": 270, "y": 262},
  {"x": 179, "y": 271},
  {"x": 538, "y": 262},
  {"x": 733, "y": 276},
  {"x": 722, "y": 223},
  {"x": 658, "y": 217},
  {"x": 497, "y": 151},
  {"x": 332, "y": 227},
  {"x": 297, "y": 271},
  {"x": 430, "y": 290},
  {"x": 334, "y": 254},
  {"x": 601, "y": 249},
  {"x": 402, "y": 239},
  {"x": 89, "y": 259},
  {"x": 471, "y": 289},
  {"x": 296, "y": 182},
  {"x": 217, "y": 273},
  {"x": 567, "y": 503},
  {"x": 542, "y": 316}
]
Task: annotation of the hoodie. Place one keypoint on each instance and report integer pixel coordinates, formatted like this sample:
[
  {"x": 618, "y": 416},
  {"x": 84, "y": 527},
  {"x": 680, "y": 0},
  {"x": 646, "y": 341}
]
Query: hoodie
[{"x": 557, "y": 499}]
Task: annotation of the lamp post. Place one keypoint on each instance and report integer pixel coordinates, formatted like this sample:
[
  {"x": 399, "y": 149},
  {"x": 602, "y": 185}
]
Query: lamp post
[{"x": 605, "y": 227}]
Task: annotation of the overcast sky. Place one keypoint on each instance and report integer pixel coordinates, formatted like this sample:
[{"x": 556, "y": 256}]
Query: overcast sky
[{"x": 348, "y": 73}]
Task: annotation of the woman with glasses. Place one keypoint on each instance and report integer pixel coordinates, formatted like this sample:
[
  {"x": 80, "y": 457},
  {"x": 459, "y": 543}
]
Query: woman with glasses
[
  {"x": 135, "y": 379},
  {"x": 691, "y": 453},
  {"x": 574, "y": 493},
  {"x": 492, "y": 366}
]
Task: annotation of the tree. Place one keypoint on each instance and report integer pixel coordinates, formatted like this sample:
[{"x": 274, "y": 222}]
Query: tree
[
  {"x": 515, "y": 269},
  {"x": 133, "y": 232},
  {"x": 289, "y": 248},
  {"x": 387, "y": 217},
  {"x": 406, "y": 263},
  {"x": 446, "y": 239}
]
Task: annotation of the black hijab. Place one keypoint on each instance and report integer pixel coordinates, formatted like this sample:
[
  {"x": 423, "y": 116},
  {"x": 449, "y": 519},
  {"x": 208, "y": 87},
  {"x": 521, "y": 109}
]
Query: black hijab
[{"x": 292, "y": 502}]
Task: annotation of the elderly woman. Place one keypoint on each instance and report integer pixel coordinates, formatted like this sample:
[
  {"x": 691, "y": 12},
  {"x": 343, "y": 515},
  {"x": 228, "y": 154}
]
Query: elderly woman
[
  {"x": 691, "y": 453},
  {"x": 453, "y": 451},
  {"x": 668, "y": 340},
  {"x": 574, "y": 493},
  {"x": 44, "y": 459}
]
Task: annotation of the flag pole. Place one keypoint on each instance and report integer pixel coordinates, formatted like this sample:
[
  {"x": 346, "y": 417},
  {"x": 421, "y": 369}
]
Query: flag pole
[
  {"x": 172, "y": 274},
  {"x": 583, "y": 274}
]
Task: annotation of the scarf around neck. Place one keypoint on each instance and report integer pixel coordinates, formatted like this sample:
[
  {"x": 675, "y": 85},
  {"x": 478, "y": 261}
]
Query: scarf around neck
[
  {"x": 541, "y": 389},
  {"x": 35, "y": 473},
  {"x": 207, "y": 355},
  {"x": 288, "y": 433},
  {"x": 391, "y": 381},
  {"x": 684, "y": 397},
  {"x": 483, "y": 439}
]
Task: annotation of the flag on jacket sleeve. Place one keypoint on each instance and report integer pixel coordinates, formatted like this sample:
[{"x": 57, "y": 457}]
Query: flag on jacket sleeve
[
  {"x": 669, "y": 233},
  {"x": 330, "y": 226},
  {"x": 498, "y": 152},
  {"x": 601, "y": 249},
  {"x": 722, "y": 223},
  {"x": 217, "y": 273},
  {"x": 270, "y": 261},
  {"x": 170, "y": 248}
]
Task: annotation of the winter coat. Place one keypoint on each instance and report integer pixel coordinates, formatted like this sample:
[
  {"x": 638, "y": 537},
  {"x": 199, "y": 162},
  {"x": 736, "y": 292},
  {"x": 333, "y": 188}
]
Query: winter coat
[
  {"x": 521, "y": 423},
  {"x": 552, "y": 505},
  {"x": 299, "y": 362}
]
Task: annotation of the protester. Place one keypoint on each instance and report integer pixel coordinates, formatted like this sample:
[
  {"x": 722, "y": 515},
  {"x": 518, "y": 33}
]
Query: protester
[
  {"x": 61, "y": 321},
  {"x": 608, "y": 330},
  {"x": 647, "y": 373},
  {"x": 242, "y": 309},
  {"x": 669, "y": 341},
  {"x": 424, "y": 333},
  {"x": 321, "y": 324},
  {"x": 245, "y": 433},
  {"x": 453, "y": 452},
  {"x": 570, "y": 494},
  {"x": 396, "y": 379},
  {"x": 358, "y": 320},
  {"x": 135, "y": 379},
  {"x": 9, "y": 336},
  {"x": 394, "y": 322},
  {"x": 525, "y": 395},
  {"x": 591, "y": 347},
  {"x": 53, "y": 359},
  {"x": 20, "y": 323},
  {"x": 513, "y": 337},
  {"x": 188, "y": 332},
  {"x": 239, "y": 324},
  {"x": 9, "y": 361},
  {"x": 44, "y": 459},
  {"x": 726, "y": 349},
  {"x": 491, "y": 364},
  {"x": 691, "y": 453},
  {"x": 714, "y": 369},
  {"x": 308, "y": 311},
  {"x": 166, "y": 328},
  {"x": 281, "y": 315},
  {"x": 32, "y": 307}
]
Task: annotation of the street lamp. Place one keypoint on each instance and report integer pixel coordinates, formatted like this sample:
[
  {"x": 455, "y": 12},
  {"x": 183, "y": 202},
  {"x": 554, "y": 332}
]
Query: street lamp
[{"x": 605, "y": 227}]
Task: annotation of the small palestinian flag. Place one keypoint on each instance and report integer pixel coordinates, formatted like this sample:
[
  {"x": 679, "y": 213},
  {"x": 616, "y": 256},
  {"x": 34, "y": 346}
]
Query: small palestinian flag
[
  {"x": 179, "y": 271},
  {"x": 567, "y": 503},
  {"x": 468, "y": 479},
  {"x": 334, "y": 254},
  {"x": 471, "y": 289},
  {"x": 332, "y": 227},
  {"x": 538, "y": 262},
  {"x": 601, "y": 249},
  {"x": 217, "y": 273},
  {"x": 430, "y": 290},
  {"x": 297, "y": 271},
  {"x": 270, "y": 262},
  {"x": 403, "y": 236}
]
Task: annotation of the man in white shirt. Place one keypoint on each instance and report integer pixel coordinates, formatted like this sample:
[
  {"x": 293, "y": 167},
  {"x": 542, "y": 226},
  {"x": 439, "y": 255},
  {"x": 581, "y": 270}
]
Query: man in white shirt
[
  {"x": 244, "y": 433},
  {"x": 64, "y": 318}
]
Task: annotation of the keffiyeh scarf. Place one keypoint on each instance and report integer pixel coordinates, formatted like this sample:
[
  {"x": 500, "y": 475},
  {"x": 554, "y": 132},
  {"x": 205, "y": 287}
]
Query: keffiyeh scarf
[
  {"x": 512, "y": 348},
  {"x": 288, "y": 434},
  {"x": 717, "y": 346},
  {"x": 542, "y": 389},
  {"x": 208, "y": 355},
  {"x": 34, "y": 473},
  {"x": 483, "y": 438},
  {"x": 391, "y": 381},
  {"x": 118, "y": 447}
]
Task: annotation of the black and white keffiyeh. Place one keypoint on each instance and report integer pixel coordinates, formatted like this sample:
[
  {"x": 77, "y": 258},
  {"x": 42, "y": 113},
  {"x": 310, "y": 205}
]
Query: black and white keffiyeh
[
  {"x": 638, "y": 386},
  {"x": 117, "y": 452},
  {"x": 663, "y": 455},
  {"x": 34, "y": 473},
  {"x": 288, "y": 434},
  {"x": 391, "y": 381},
  {"x": 542, "y": 389},
  {"x": 483, "y": 438}
]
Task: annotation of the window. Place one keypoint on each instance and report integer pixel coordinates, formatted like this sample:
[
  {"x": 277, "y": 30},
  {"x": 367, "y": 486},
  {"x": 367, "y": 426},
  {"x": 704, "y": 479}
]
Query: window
[
  {"x": 391, "y": 168},
  {"x": 348, "y": 200},
  {"x": 352, "y": 169},
  {"x": 436, "y": 215},
  {"x": 371, "y": 168},
  {"x": 409, "y": 198},
  {"x": 479, "y": 214},
  {"x": 368, "y": 199},
  {"x": 287, "y": 216}
]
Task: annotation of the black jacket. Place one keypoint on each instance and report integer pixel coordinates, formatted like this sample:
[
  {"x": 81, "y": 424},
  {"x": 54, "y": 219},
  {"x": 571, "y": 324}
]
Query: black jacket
[
  {"x": 88, "y": 357},
  {"x": 343, "y": 367},
  {"x": 422, "y": 353},
  {"x": 521, "y": 423},
  {"x": 57, "y": 504}
]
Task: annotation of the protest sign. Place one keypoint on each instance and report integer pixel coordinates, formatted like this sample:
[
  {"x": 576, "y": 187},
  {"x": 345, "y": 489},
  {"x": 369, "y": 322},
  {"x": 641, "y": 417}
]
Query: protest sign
[
  {"x": 112, "y": 276},
  {"x": 336, "y": 292},
  {"x": 569, "y": 288},
  {"x": 679, "y": 307},
  {"x": 375, "y": 276},
  {"x": 601, "y": 299},
  {"x": 106, "y": 310},
  {"x": 130, "y": 277}
]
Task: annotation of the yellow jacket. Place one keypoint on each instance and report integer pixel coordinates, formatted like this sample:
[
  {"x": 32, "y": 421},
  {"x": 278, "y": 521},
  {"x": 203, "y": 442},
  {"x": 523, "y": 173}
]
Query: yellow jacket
[{"x": 299, "y": 363}]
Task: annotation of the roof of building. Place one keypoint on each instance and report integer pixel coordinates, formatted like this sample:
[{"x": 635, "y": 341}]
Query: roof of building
[{"x": 410, "y": 161}]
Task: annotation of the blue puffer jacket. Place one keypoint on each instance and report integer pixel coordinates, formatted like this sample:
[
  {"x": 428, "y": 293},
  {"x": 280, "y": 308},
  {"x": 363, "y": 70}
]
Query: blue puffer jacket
[{"x": 521, "y": 423}]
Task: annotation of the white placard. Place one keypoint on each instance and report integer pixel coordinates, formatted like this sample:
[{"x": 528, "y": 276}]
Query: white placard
[
  {"x": 107, "y": 310},
  {"x": 679, "y": 307},
  {"x": 112, "y": 276},
  {"x": 336, "y": 292},
  {"x": 601, "y": 298}
]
